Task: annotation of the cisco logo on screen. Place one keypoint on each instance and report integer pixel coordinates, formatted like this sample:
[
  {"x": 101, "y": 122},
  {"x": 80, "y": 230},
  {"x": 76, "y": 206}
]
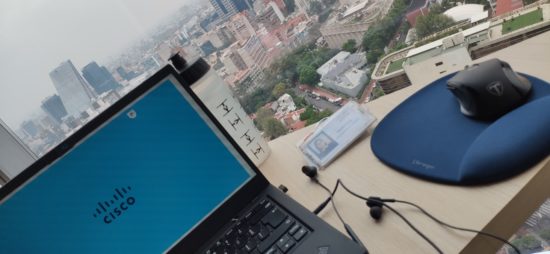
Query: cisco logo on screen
[{"x": 108, "y": 211}]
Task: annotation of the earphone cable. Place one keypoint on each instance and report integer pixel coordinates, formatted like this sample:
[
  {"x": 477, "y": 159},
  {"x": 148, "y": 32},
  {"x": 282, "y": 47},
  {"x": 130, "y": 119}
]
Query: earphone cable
[
  {"x": 427, "y": 239},
  {"x": 459, "y": 228}
]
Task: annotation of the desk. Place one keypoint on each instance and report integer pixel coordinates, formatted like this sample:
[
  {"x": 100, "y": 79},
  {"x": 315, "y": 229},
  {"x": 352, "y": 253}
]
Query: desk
[{"x": 498, "y": 208}]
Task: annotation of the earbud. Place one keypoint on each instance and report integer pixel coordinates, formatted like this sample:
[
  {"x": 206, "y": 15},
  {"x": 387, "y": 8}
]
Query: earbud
[
  {"x": 375, "y": 205},
  {"x": 310, "y": 171}
]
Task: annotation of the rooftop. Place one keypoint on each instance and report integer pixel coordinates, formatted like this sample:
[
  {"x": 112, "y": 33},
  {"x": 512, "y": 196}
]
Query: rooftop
[
  {"x": 338, "y": 58},
  {"x": 505, "y": 6},
  {"x": 438, "y": 43},
  {"x": 355, "y": 8},
  {"x": 466, "y": 12}
]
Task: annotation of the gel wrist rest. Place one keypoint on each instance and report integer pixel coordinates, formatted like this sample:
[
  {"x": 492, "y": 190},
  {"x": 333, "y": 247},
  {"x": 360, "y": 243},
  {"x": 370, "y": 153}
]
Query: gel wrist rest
[{"x": 428, "y": 137}]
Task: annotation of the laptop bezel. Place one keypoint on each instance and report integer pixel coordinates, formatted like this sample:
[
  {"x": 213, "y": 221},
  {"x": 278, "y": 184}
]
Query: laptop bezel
[{"x": 198, "y": 236}]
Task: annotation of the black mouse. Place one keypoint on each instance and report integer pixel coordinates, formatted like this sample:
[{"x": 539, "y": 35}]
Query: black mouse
[{"x": 489, "y": 89}]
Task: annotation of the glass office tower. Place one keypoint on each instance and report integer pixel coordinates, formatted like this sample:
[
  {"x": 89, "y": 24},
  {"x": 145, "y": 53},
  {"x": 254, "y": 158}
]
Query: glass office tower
[
  {"x": 75, "y": 94},
  {"x": 99, "y": 78},
  {"x": 53, "y": 106}
]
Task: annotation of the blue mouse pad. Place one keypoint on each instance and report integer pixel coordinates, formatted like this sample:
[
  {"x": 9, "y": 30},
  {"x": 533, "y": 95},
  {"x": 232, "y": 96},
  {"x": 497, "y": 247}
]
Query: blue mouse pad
[{"x": 428, "y": 137}]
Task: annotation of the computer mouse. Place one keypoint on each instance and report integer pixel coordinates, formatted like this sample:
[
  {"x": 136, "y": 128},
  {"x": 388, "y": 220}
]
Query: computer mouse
[{"x": 488, "y": 90}]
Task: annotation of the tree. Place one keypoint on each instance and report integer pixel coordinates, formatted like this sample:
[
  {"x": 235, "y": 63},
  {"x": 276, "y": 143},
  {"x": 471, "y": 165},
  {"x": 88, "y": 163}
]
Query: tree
[
  {"x": 432, "y": 23},
  {"x": 373, "y": 55},
  {"x": 290, "y": 5},
  {"x": 349, "y": 45},
  {"x": 380, "y": 34},
  {"x": 278, "y": 90},
  {"x": 377, "y": 92},
  {"x": 315, "y": 8},
  {"x": 274, "y": 128},
  {"x": 545, "y": 234},
  {"x": 307, "y": 113},
  {"x": 527, "y": 243},
  {"x": 308, "y": 75},
  {"x": 261, "y": 117},
  {"x": 311, "y": 116}
]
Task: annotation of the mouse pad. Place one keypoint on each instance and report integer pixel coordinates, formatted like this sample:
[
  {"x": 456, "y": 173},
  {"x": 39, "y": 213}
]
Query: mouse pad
[{"x": 428, "y": 137}]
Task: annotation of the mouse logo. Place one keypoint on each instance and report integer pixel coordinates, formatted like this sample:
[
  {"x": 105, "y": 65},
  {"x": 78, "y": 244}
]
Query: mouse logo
[
  {"x": 496, "y": 89},
  {"x": 116, "y": 206}
]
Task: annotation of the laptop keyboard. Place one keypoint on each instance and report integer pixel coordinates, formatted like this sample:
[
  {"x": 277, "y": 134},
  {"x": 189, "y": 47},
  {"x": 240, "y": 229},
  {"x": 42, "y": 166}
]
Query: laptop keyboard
[{"x": 264, "y": 229}]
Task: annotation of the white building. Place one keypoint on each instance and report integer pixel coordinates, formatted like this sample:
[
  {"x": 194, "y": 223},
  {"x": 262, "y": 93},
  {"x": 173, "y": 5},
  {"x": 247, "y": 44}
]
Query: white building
[
  {"x": 283, "y": 105},
  {"x": 470, "y": 12},
  {"x": 342, "y": 73},
  {"x": 277, "y": 11}
]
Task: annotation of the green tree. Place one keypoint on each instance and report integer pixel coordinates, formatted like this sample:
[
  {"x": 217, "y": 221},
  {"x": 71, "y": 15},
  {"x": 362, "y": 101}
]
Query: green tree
[
  {"x": 311, "y": 116},
  {"x": 315, "y": 8},
  {"x": 274, "y": 128},
  {"x": 308, "y": 75},
  {"x": 350, "y": 45},
  {"x": 257, "y": 99},
  {"x": 278, "y": 90},
  {"x": 377, "y": 92},
  {"x": 307, "y": 113},
  {"x": 432, "y": 23},
  {"x": 262, "y": 115},
  {"x": 380, "y": 34},
  {"x": 527, "y": 243},
  {"x": 373, "y": 55},
  {"x": 290, "y": 5},
  {"x": 545, "y": 234}
]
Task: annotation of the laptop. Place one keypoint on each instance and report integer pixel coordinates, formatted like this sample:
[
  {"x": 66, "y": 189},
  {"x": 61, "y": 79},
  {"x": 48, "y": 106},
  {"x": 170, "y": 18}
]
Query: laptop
[{"x": 155, "y": 173}]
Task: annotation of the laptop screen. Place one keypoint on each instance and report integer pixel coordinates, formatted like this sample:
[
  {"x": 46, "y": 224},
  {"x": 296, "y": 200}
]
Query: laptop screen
[{"x": 136, "y": 185}]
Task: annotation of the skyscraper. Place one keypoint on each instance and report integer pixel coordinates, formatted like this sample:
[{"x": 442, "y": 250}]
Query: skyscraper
[
  {"x": 30, "y": 128},
  {"x": 75, "y": 94},
  {"x": 53, "y": 106},
  {"x": 228, "y": 8},
  {"x": 99, "y": 78}
]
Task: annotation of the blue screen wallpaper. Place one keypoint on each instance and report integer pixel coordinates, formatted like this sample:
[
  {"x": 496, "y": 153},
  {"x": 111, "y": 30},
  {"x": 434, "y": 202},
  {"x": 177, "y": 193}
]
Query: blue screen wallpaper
[{"x": 135, "y": 186}]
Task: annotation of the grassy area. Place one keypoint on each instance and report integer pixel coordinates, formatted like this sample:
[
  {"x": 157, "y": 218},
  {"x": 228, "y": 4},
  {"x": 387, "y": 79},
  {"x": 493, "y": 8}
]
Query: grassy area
[
  {"x": 396, "y": 65},
  {"x": 522, "y": 21}
]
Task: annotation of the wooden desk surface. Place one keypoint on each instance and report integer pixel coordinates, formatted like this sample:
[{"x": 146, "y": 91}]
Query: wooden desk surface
[
  {"x": 471, "y": 207},
  {"x": 498, "y": 208}
]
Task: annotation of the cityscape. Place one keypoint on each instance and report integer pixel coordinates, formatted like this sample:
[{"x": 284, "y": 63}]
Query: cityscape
[
  {"x": 292, "y": 63},
  {"x": 289, "y": 62}
]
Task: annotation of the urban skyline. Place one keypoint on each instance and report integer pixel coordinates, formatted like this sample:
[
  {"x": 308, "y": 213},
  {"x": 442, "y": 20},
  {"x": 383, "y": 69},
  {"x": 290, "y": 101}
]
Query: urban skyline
[{"x": 36, "y": 36}]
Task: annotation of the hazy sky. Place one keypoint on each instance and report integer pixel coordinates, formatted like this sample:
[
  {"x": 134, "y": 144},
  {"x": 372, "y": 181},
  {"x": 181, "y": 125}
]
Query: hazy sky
[{"x": 37, "y": 35}]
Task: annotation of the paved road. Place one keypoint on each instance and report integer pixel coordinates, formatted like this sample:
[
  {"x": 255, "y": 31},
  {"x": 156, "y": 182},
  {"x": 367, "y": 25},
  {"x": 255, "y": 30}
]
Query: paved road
[{"x": 320, "y": 104}]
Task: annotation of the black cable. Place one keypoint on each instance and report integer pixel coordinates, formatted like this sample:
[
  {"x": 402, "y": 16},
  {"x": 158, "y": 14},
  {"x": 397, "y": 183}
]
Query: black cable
[
  {"x": 322, "y": 206},
  {"x": 427, "y": 239},
  {"x": 429, "y": 216},
  {"x": 459, "y": 228},
  {"x": 331, "y": 199},
  {"x": 350, "y": 232}
]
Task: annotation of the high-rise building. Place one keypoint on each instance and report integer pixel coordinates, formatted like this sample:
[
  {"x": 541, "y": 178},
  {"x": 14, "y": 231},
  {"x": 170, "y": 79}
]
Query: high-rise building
[
  {"x": 75, "y": 93},
  {"x": 224, "y": 8},
  {"x": 30, "y": 128},
  {"x": 254, "y": 53},
  {"x": 241, "y": 27},
  {"x": 232, "y": 61},
  {"x": 99, "y": 78},
  {"x": 53, "y": 106},
  {"x": 228, "y": 8}
]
